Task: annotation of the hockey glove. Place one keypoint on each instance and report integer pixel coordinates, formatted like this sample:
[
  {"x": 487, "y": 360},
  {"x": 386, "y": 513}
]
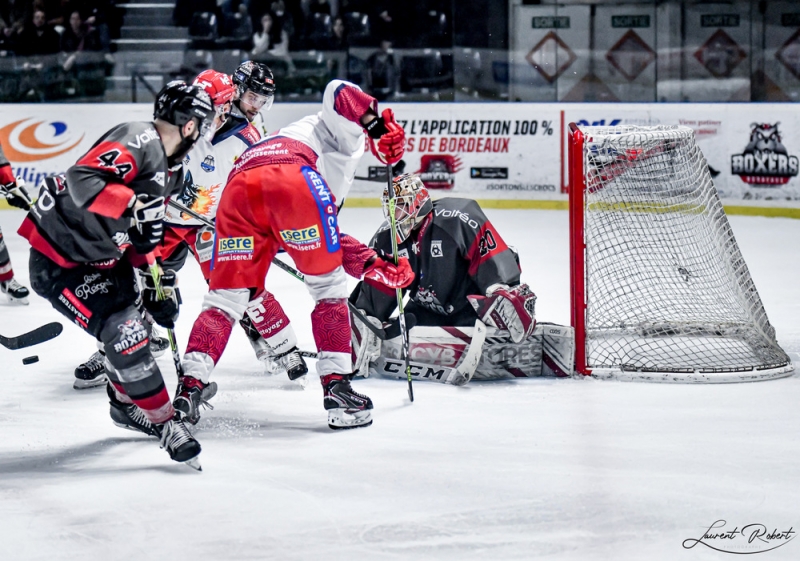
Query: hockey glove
[
  {"x": 164, "y": 312},
  {"x": 14, "y": 190},
  {"x": 508, "y": 308},
  {"x": 387, "y": 138},
  {"x": 148, "y": 223},
  {"x": 389, "y": 274}
]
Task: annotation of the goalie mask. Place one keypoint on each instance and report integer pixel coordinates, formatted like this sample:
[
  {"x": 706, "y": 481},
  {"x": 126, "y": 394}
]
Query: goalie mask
[{"x": 412, "y": 203}]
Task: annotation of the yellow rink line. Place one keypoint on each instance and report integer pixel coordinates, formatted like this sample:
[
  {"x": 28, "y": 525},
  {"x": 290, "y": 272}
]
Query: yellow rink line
[{"x": 375, "y": 202}]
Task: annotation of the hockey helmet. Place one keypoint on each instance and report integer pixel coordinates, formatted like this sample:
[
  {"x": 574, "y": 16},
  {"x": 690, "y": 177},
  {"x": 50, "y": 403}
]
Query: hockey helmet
[
  {"x": 412, "y": 203},
  {"x": 218, "y": 86},
  {"x": 178, "y": 103},
  {"x": 255, "y": 77}
]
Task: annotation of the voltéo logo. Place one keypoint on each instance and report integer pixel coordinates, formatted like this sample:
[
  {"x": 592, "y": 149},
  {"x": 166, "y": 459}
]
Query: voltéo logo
[{"x": 29, "y": 140}]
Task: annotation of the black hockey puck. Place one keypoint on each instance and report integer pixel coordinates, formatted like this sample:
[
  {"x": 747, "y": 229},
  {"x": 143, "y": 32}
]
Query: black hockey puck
[{"x": 30, "y": 359}]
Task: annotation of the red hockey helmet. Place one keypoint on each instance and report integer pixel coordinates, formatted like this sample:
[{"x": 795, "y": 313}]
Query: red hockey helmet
[
  {"x": 411, "y": 202},
  {"x": 217, "y": 85}
]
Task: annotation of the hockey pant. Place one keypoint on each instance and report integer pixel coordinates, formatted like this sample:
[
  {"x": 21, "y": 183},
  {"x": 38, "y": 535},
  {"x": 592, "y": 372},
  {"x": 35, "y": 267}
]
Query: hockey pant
[
  {"x": 6, "y": 272},
  {"x": 223, "y": 307},
  {"x": 179, "y": 241},
  {"x": 103, "y": 302}
]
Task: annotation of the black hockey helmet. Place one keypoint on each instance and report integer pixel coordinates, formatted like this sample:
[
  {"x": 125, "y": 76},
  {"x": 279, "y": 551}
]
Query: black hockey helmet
[
  {"x": 255, "y": 77},
  {"x": 177, "y": 103}
]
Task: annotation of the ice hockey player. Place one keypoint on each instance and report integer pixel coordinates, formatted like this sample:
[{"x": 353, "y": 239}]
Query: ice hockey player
[
  {"x": 15, "y": 196},
  {"x": 463, "y": 268},
  {"x": 283, "y": 193},
  {"x": 206, "y": 171},
  {"x": 90, "y": 228},
  {"x": 256, "y": 85}
]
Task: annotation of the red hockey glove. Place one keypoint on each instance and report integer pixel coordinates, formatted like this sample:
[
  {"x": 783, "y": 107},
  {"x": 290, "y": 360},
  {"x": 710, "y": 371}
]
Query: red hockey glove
[
  {"x": 387, "y": 138},
  {"x": 507, "y": 308},
  {"x": 389, "y": 274}
]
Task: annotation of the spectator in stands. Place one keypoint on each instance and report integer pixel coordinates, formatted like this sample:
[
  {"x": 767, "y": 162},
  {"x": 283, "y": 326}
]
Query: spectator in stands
[
  {"x": 282, "y": 21},
  {"x": 239, "y": 26},
  {"x": 264, "y": 40},
  {"x": 38, "y": 38},
  {"x": 381, "y": 72},
  {"x": 78, "y": 36},
  {"x": 320, "y": 7},
  {"x": 338, "y": 40},
  {"x": 383, "y": 23}
]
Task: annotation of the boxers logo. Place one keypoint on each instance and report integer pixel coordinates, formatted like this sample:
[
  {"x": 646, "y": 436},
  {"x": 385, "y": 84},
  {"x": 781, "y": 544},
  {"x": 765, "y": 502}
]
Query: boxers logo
[
  {"x": 325, "y": 206},
  {"x": 133, "y": 336},
  {"x": 303, "y": 239},
  {"x": 235, "y": 249}
]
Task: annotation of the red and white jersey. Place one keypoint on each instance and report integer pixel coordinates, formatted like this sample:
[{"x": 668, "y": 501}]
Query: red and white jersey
[
  {"x": 331, "y": 141},
  {"x": 206, "y": 170}
]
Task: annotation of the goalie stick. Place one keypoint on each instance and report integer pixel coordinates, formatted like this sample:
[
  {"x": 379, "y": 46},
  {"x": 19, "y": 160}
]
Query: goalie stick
[
  {"x": 380, "y": 333},
  {"x": 457, "y": 376},
  {"x": 38, "y": 335}
]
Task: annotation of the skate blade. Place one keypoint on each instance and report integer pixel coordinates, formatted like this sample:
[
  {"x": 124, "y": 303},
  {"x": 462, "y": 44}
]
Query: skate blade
[
  {"x": 81, "y": 384},
  {"x": 17, "y": 301},
  {"x": 339, "y": 419},
  {"x": 194, "y": 463}
]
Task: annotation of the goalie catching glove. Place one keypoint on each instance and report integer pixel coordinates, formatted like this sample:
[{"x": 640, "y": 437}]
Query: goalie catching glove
[
  {"x": 164, "y": 312},
  {"x": 508, "y": 308},
  {"x": 386, "y": 138}
]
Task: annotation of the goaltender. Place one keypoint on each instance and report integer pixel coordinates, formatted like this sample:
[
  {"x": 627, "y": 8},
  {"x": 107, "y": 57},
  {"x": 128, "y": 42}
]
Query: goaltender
[{"x": 464, "y": 273}]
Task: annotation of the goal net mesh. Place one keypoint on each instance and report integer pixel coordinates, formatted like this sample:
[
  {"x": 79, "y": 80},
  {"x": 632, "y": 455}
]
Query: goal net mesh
[{"x": 667, "y": 289}]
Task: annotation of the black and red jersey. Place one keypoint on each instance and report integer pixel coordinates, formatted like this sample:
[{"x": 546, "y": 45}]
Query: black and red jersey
[
  {"x": 456, "y": 251},
  {"x": 84, "y": 217}
]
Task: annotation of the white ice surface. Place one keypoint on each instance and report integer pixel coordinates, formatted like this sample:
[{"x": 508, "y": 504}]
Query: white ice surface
[{"x": 529, "y": 469}]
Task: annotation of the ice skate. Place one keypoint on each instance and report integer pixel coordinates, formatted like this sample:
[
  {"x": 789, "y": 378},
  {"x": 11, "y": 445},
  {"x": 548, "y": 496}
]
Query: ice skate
[
  {"x": 346, "y": 408},
  {"x": 290, "y": 362},
  {"x": 128, "y": 415},
  {"x": 92, "y": 373},
  {"x": 15, "y": 292},
  {"x": 179, "y": 442},
  {"x": 190, "y": 395}
]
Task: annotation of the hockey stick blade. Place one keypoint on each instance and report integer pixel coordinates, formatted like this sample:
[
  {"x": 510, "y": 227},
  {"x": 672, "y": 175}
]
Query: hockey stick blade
[
  {"x": 38, "y": 335},
  {"x": 473, "y": 357}
]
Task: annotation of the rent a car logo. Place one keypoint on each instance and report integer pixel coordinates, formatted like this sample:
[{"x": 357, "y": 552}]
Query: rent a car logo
[
  {"x": 28, "y": 141},
  {"x": 235, "y": 249}
]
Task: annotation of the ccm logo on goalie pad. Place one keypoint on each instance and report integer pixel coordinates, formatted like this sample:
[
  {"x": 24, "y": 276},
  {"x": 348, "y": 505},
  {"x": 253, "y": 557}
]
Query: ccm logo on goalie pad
[{"x": 417, "y": 370}]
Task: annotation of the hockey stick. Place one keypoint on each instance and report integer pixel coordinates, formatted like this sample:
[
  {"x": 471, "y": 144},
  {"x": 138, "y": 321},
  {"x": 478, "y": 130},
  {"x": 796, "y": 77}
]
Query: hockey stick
[
  {"x": 401, "y": 315},
  {"x": 38, "y": 335},
  {"x": 173, "y": 344},
  {"x": 380, "y": 333}
]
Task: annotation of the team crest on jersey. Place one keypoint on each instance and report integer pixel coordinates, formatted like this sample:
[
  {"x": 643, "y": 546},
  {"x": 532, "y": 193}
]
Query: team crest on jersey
[
  {"x": 208, "y": 164},
  {"x": 235, "y": 249},
  {"x": 304, "y": 239},
  {"x": 436, "y": 248},
  {"x": 133, "y": 336}
]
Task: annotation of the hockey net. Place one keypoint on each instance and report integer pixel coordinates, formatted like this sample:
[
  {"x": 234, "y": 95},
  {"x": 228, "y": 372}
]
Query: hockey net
[{"x": 660, "y": 289}]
